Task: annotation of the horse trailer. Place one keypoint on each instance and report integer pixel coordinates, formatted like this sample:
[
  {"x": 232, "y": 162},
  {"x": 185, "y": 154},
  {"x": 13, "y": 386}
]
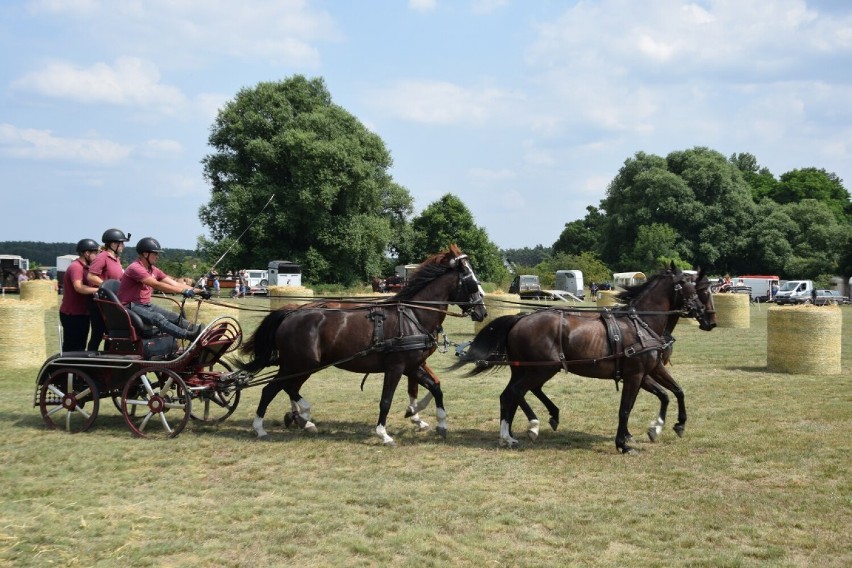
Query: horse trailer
[
  {"x": 624, "y": 279},
  {"x": 570, "y": 281},
  {"x": 284, "y": 273}
]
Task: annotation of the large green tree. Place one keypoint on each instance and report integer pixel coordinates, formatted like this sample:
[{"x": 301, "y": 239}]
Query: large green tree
[
  {"x": 336, "y": 209},
  {"x": 448, "y": 221}
]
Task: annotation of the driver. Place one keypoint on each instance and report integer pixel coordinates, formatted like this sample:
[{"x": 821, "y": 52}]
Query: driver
[{"x": 137, "y": 284}]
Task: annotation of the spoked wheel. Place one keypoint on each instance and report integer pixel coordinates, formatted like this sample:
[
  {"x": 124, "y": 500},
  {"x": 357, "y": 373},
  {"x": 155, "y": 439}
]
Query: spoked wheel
[
  {"x": 156, "y": 403},
  {"x": 212, "y": 405},
  {"x": 116, "y": 400},
  {"x": 69, "y": 401}
]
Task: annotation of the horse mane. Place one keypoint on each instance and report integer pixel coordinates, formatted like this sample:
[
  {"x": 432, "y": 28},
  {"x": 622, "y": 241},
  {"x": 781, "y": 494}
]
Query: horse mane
[
  {"x": 632, "y": 293},
  {"x": 430, "y": 269}
]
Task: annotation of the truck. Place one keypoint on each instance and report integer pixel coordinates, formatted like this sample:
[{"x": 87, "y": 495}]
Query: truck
[
  {"x": 570, "y": 281},
  {"x": 795, "y": 292},
  {"x": 763, "y": 286},
  {"x": 526, "y": 286}
]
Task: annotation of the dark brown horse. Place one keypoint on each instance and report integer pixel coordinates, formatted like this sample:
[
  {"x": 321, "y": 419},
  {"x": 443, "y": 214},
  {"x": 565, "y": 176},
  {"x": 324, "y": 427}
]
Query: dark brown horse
[
  {"x": 627, "y": 344},
  {"x": 394, "y": 336}
]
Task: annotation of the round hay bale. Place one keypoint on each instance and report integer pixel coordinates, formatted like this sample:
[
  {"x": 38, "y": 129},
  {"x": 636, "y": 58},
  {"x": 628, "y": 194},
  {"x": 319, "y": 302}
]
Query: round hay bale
[
  {"x": 22, "y": 337},
  {"x": 40, "y": 291},
  {"x": 280, "y": 296},
  {"x": 498, "y": 305},
  {"x": 804, "y": 340},
  {"x": 732, "y": 310},
  {"x": 207, "y": 312},
  {"x": 607, "y": 298}
]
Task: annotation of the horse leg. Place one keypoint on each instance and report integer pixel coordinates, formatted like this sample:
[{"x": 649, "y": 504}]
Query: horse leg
[
  {"x": 532, "y": 431},
  {"x": 629, "y": 391},
  {"x": 414, "y": 408},
  {"x": 269, "y": 392},
  {"x": 509, "y": 401},
  {"x": 427, "y": 378},
  {"x": 300, "y": 407},
  {"x": 552, "y": 409},
  {"x": 388, "y": 389},
  {"x": 662, "y": 376},
  {"x": 656, "y": 426}
]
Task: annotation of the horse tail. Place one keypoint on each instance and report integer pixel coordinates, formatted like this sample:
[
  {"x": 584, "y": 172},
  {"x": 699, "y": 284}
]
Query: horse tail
[
  {"x": 490, "y": 344},
  {"x": 261, "y": 345}
]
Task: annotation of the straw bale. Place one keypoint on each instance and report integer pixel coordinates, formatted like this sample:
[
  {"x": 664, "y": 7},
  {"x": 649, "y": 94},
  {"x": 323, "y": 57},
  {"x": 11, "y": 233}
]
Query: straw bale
[
  {"x": 733, "y": 310},
  {"x": 280, "y": 296},
  {"x": 498, "y": 305},
  {"x": 40, "y": 291},
  {"x": 207, "y": 312},
  {"x": 22, "y": 336},
  {"x": 607, "y": 298},
  {"x": 804, "y": 339}
]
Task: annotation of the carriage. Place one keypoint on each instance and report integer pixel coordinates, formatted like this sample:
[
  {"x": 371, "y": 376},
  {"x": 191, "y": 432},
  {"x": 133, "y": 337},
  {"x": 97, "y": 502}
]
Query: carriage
[{"x": 157, "y": 386}]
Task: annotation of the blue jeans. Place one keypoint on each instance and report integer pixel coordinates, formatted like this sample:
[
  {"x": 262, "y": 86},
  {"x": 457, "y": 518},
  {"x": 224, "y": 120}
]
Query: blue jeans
[{"x": 168, "y": 321}]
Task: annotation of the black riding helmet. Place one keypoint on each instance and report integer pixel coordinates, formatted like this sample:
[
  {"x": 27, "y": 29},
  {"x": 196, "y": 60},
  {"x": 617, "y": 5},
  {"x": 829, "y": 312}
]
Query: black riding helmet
[
  {"x": 148, "y": 244},
  {"x": 86, "y": 245},
  {"x": 114, "y": 236}
]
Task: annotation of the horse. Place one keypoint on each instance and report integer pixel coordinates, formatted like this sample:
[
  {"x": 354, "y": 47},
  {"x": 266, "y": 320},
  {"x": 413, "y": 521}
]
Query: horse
[
  {"x": 626, "y": 344},
  {"x": 394, "y": 336}
]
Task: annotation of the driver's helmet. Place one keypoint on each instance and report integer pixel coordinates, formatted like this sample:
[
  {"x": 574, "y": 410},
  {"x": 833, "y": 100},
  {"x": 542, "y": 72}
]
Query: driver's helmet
[
  {"x": 148, "y": 244},
  {"x": 113, "y": 236},
  {"x": 85, "y": 245}
]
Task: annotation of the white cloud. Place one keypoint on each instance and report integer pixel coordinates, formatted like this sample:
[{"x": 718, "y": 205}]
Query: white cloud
[
  {"x": 280, "y": 32},
  {"x": 43, "y": 145},
  {"x": 422, "y": 5},
  {"x": 487, "y": 176},
  {"x": 440, "y": 102},
  {"x": 130, "y": 81},
  {"x": 162, "y": 148}
]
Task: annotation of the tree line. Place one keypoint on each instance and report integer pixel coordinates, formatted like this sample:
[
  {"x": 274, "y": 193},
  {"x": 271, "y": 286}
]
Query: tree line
[{"x": 337, "y": 211}]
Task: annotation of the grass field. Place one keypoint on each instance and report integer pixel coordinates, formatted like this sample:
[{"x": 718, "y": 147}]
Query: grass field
[{"x": 761, "y": 477}]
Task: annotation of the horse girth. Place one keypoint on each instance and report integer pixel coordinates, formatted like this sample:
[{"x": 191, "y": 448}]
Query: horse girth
[{"x": 410, "y": 333}]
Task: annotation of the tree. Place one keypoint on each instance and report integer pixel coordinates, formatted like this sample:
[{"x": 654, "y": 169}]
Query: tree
[
  {"x": 761, "y": 180},
  {"x": 336, "y": 209},
  {"x": 698, "y": 194},
  {"x": 449, "y": 221},
  {"x": 581, "y": 235},
  {"x": 812, "y": 183}
]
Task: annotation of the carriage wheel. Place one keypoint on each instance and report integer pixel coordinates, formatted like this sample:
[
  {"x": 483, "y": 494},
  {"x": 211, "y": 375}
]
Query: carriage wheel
[
  {"x": 116, "y": 400},
  {"x": 69, "y": 401},
  {"x": 215, "y": 405},
  {"x": 156, "y": 403}
]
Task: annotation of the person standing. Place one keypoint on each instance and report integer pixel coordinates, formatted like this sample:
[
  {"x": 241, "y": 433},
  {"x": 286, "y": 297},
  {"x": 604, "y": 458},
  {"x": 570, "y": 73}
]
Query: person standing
[
  {"x": 106, "y": 266},
  {"x": 139, "y": 281},
  {"x": 74, "y": 309}
]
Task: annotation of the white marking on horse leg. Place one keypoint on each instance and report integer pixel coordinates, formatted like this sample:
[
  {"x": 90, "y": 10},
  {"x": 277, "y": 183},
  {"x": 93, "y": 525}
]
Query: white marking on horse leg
[
  {"x": 414, "y": 416},
  {"x": 257, "y": 424},
  {"x": 303, "y": 407},
  {"x": 505, "y": 439},
  {"x": 532, "y": 432},
  {"x": 442, "y": 422},
  {"x": 383, "y": 434},
  {"x": 655, "y": 429},
  {"x": 310, "y": 427}
]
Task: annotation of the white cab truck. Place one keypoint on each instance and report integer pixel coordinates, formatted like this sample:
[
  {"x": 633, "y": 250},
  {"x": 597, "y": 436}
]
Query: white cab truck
[
  {"x": 570, "y": 281},
  {"x": 795, "y": 292}
]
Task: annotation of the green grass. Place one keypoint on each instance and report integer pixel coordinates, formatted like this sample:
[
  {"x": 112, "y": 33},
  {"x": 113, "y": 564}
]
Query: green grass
[{"x": 761, "y": 478}]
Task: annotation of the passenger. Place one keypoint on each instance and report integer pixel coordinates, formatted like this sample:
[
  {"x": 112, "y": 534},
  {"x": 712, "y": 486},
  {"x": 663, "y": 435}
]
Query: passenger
[
  {"x": 106, "y": 266},
  {"x": 137, "y": 284},
  {"x": 74, "y": 310}
]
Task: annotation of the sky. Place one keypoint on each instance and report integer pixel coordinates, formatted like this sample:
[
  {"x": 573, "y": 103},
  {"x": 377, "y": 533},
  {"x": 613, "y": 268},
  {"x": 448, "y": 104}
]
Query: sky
[{"x": 524, "y": 109}]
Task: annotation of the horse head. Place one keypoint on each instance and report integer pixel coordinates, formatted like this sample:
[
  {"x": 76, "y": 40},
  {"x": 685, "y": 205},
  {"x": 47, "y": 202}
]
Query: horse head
[
  {"x": 695, "y": 298},
  {"x": 469, "y": 295}
]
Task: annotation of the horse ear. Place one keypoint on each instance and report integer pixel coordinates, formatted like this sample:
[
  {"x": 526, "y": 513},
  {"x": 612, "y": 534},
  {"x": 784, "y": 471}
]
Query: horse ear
[{"x": 673, "y": 267}]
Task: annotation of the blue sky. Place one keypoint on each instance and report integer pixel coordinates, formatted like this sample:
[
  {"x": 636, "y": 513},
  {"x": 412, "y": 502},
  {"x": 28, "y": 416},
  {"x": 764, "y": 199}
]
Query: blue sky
[{"x": 524, "y": 109}]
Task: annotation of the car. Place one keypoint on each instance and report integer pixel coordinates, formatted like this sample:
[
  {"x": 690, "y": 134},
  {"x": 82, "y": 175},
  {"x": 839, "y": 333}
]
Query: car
[{"x": 826, "y": 297}]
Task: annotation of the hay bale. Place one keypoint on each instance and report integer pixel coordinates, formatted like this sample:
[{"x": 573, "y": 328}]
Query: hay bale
[
  {"x": 804, "y": 339},
  {"x": 498, "y": 305},
  {"x": 733, "y": 310},
  {"x": 280, "y": 296},
  {"x": 607, "y": 298},
  {"x": 41, "y": 292},
  {"x": 22, "y": 337},
  {"x": 207, "y": 312}
]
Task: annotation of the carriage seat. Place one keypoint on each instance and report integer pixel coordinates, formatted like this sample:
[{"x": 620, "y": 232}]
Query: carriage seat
[{"x": 120, "y": 321}]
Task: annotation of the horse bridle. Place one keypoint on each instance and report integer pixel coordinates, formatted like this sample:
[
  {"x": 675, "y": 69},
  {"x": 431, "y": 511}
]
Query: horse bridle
[
  {"x": 691, "y": 304},
  {"x": 467, "y": 281}
]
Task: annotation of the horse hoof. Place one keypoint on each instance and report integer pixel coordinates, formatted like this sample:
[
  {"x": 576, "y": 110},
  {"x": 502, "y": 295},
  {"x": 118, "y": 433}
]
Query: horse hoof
[
  {"x": 390, "y": 444},
  {"x": 262, "y": 433},
  {"x": 554, "y": 424},
  {"x": 288, "y": 419},
  {"x": 423, "y": 427},
  {"x": 653, "y": 434},
  {"x": 442, "y": 432},
  {"x": 679, "y": 428},
  {"x": 510, "y": 443},
  {"x": 532, "y": 434},
  {"x": 629, "y": 439},
  {"x": 628, "y": 451},
  {"x": 311, "y": 428},
  {"x": 409, "y": 412}
]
